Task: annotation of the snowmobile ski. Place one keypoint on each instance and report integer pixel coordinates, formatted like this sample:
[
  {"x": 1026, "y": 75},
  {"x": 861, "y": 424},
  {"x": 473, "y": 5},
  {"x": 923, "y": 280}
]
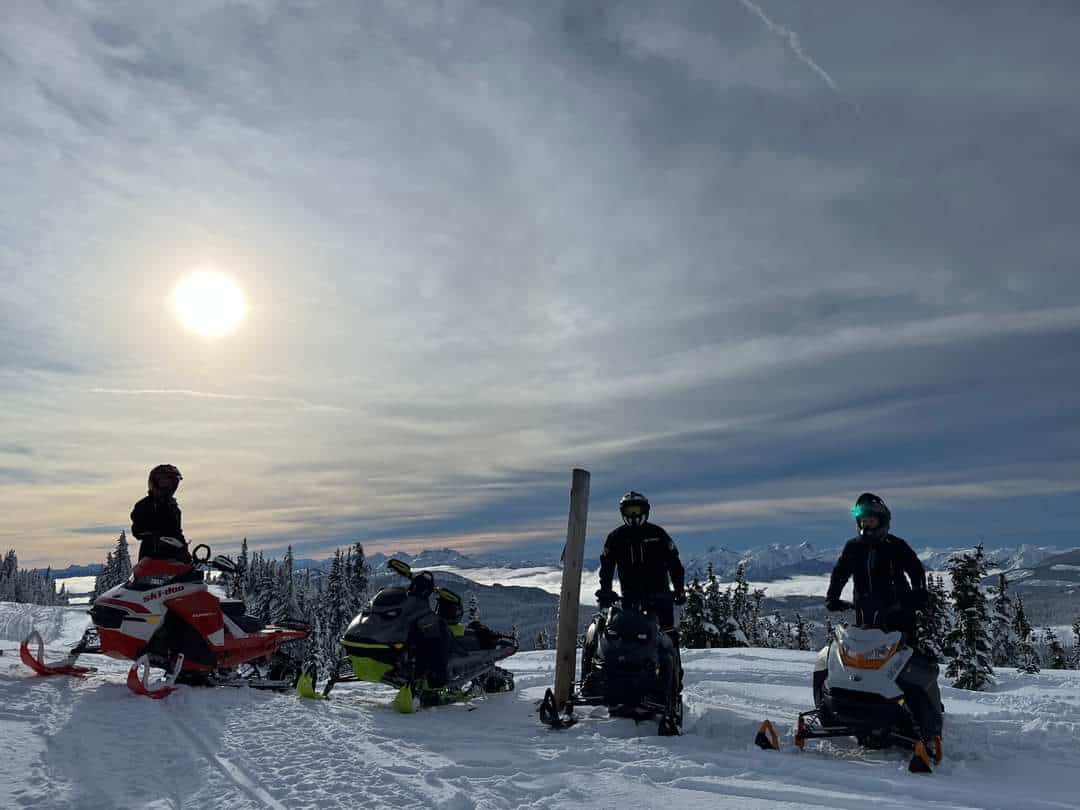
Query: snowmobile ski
[
  {"x": 36, "y": 662},
  {"x": 767, "y": 738},
  {"x": 550, "y": 715},
  {"x": 138, "y": 679}
]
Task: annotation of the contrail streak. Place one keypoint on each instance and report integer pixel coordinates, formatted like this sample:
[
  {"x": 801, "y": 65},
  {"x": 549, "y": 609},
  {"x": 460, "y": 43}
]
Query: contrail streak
[
  {"x": 302, "y": 404},
  {"x": 795, "y": 46}
]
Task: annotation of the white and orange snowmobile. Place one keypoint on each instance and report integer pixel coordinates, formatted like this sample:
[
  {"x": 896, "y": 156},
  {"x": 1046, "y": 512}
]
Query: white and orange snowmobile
[
  {"x": 864, "y": 680},
  {"x": 165, "y": 616}
]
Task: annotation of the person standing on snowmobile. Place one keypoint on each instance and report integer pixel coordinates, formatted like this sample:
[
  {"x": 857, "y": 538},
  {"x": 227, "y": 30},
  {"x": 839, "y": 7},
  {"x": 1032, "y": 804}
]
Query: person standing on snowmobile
[
  {"x": 155, "y": 520},
  {"x": 889, "y": 580},
  {"x": 889, "y": 588},
  {"x": 646, "y": 557}
]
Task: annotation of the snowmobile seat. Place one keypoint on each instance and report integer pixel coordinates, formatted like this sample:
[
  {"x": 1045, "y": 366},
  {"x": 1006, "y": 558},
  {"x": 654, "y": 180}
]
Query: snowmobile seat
[{"x": 234, "y": 609}]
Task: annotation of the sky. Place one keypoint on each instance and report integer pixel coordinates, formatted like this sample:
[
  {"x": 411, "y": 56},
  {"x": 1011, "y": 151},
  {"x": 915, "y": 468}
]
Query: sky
[{"x": 750, "y": 258}]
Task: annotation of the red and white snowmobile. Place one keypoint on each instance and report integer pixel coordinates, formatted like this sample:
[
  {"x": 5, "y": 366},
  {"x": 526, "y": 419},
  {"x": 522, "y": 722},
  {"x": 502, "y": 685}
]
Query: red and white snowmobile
[{"x": 165, "y": 616}]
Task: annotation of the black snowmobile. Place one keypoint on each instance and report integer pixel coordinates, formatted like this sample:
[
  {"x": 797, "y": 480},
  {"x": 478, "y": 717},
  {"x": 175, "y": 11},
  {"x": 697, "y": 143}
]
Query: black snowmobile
[
  {"x": 429, "y": 655},
  {"x": 629, "y": 664}
]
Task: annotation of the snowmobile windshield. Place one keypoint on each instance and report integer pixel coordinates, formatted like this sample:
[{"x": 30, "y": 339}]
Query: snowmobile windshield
[
  {"x": 629, "y": 625},
  {"x": 866, "y": 648},
  {"x": 389, "y": 598}
]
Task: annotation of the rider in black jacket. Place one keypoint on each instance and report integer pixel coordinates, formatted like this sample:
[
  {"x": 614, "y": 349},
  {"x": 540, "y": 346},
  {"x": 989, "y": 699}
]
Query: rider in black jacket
[
  {"x": 155, "y": 520},
  {"x": 889, "y": 587},
  {"x": 889, "y": 580},
  {"x": 646, "y": 557}
]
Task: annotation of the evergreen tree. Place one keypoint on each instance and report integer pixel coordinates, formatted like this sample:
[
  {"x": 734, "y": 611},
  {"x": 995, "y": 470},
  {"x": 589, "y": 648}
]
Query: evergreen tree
[
  {"x": 757, "y": 600},
  {"x": 474, "y": 609},
  {"x": 104, "y": 579},
  {"x": 692, "y": 626},
  {"x": 359, "y": 581},
  {"x": 1002, "y": 625},
  {"x": 1055, "y": 652},
  {"x": 333, "y": 614},
  {"x": 1074, "y": 658},
  {"x": 542, "y": 642},
  {"x": 830, "y": 630},
  {"x": 804, "y": 637},
  {"x": 740, "y": 601},
  {"x": 971, "y": 666},
  {"x": 932, "y": 623},
  {"x": 1027, "y": 656},
  {"x": 236, "y": 590}
]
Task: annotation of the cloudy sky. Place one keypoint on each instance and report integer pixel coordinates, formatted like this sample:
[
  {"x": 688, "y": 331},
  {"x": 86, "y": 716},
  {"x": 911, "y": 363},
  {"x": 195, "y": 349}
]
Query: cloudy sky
[{"x": 749, "y": 258}]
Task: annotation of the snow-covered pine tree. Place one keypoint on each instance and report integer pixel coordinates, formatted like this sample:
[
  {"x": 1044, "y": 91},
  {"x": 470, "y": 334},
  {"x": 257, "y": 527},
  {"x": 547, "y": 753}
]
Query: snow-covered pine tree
[
  {"x": 1027, "y": 656},
  {"x": 830, "y": 630},
  {"x": 104, "y": 579},
  {"x": 542, "y": 642},
  {"x": 8, "y": 569},
  {"x": 804, "y": 634},
  {"x": 283, "y": 601},
  {"x": 692, "y": 627},
  {"x": 122, "y": 558},
  {"x": 1074, "y": 657},
  {"x": 238, "y": 582},
  {"x": 359, "y": 581},
  {"x": 474, "y": 608},
  {"x": 332, "y": 613},
  {"x": 971, "y": 666},
  {"x": 740, "y": 601},
  {"x": 757, "y": 600},
  {"x": 1055, "y": 652},
  {"x": 932, "y": 624},
  {"x": 1002, "y": 631}
]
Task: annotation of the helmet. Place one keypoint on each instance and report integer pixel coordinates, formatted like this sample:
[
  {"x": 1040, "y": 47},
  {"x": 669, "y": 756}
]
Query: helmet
[
  {"x": 163, "y": 480},
  {"x": 870, "y": 505},
  {"x": 634, "y": 508}
]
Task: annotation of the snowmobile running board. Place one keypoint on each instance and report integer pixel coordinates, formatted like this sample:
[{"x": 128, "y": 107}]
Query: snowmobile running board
[{"x": 37, "y": 663}]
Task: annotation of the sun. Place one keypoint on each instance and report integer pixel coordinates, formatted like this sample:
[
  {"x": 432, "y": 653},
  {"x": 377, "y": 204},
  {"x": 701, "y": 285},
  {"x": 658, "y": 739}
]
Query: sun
[{"x": 209, "y": 303}]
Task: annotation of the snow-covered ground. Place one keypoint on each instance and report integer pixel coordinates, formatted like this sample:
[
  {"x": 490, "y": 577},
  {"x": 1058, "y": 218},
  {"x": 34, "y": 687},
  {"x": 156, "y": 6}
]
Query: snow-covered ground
[{"x": 89, "y": 743}]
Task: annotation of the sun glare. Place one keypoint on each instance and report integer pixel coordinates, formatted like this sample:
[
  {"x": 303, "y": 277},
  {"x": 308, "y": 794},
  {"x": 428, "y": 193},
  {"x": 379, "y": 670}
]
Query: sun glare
[{"x": 209, "y": 303}]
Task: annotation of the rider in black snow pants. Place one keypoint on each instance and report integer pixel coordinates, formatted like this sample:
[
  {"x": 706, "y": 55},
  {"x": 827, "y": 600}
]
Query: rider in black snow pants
[{"x": 889, "y": 585}]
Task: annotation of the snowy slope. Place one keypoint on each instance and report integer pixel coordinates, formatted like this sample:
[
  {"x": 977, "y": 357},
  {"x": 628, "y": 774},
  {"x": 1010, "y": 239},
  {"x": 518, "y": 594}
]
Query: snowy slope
[{"x": 89, "y": 743}]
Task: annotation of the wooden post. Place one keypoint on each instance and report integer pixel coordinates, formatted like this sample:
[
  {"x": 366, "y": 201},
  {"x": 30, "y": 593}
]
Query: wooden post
[{"x": 570, "y": 599}]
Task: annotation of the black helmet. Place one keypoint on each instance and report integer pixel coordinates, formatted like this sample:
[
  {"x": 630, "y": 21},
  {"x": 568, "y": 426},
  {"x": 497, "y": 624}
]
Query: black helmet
[
  {"x": 163, "y": 480},
  {"x": 634, "y": 508},
  {"x": 870, "y": 505}
]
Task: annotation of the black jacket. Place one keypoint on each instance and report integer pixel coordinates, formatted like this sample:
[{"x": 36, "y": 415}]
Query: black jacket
[
  {"x": 152, "y": 519},
  {"x": 645, "y": 556},
  {"x": 889, "y": 582}
]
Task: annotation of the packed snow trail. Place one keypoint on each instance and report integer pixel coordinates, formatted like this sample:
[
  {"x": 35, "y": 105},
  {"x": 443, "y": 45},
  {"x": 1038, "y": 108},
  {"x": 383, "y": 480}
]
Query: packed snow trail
[{"x": 89, "y": 743}]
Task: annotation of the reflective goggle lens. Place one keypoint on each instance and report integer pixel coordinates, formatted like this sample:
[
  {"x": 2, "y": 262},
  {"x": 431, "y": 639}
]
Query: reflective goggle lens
[{"x": 633, "y": 510}]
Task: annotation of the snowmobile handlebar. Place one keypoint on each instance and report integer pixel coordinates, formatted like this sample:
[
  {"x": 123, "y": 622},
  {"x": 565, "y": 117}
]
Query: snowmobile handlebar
[
  {"x": 221, "y": 562},
  {"x": 605, "y": 598}
]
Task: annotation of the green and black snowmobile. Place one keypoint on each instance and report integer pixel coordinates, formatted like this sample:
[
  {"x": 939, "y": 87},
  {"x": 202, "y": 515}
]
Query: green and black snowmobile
[{"x": 428, "y": 654}]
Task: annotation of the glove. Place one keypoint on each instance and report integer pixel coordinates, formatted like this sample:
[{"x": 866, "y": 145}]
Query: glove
[
  {"x": 838, "y": 605},
  {"x": 605, "y": 597},
  {"x": 680, "y": 597}
]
